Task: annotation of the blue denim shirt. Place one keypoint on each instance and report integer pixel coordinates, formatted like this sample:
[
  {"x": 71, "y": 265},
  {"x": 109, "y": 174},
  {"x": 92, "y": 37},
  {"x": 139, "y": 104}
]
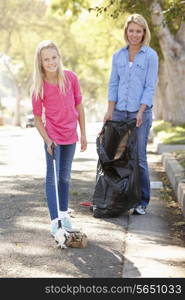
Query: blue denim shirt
[{"x": 132, "y": 86}]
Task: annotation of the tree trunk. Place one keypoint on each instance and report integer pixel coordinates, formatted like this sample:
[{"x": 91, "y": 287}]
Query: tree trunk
[
  {"x": 17, "y": 111},
  {"x": 170, "y": 97}
]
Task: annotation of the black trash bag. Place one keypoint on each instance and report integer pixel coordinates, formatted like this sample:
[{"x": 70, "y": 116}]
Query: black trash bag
[{"x": 117, "y": 186}]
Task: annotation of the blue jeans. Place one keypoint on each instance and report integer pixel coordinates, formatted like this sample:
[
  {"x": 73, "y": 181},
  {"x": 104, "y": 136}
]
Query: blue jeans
[
  {"x": 64, "y": 158},
  {"x": 142, "y": 138}
]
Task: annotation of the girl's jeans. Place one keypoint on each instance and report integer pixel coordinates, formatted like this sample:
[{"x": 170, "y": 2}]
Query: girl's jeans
[
  {"x": 64, "y": 158},
  {"x": 142, "y": 138}
]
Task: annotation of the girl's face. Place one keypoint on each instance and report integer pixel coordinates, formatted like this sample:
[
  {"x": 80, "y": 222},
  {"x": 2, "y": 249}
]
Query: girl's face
[
  {"x": 49, "y": 60},
  {"x": 135, "y": 34}
]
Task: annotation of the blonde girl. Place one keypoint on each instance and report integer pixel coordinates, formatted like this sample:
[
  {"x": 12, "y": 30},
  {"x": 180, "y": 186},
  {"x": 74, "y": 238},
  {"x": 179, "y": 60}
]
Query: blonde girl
[{"x": 56, "y": 94}]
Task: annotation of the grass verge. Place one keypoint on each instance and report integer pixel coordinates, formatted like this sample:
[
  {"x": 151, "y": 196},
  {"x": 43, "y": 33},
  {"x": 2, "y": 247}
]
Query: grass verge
[{"x": 169, "y": 134}]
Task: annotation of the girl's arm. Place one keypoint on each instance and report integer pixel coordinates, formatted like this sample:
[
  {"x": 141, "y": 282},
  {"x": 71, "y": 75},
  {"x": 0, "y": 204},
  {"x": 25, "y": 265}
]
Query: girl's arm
[
  {"x": 41, "y": 129},
  {"x": 81, "y": 121}
]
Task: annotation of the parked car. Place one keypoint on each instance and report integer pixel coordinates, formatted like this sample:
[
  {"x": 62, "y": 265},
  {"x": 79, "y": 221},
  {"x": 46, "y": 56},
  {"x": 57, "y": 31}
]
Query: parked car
[{"x": 30, "y": 121}]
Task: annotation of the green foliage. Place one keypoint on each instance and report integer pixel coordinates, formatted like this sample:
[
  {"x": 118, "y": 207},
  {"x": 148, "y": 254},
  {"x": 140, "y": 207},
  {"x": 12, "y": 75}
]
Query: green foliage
[
  {"x": 86, "y": 38},
  {"x": 95, "y": 43},
  {"x": 86, "y": 43},
  {"x": 119, "y": 9},
  {"x": 174, "y": 14},
  {"x": 74, "y": 7},
  {"x": 173, "y": 10},
  {"x": 20, "y": 40},
  {"x": 161, "y": 125},
  {"x": 17, "y": 32},
  {"x": 169, "y": 134}
]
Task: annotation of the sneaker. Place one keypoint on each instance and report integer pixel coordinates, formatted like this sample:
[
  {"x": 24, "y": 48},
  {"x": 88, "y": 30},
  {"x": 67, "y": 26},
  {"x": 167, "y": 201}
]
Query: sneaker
[
  {"x": 66, "y": 224},
  {"x": 70, "y": 210},
  {"x": 140, "y": 210},
  {"x": 54, "y": 227},
  {"x": 61, "y": 237}
]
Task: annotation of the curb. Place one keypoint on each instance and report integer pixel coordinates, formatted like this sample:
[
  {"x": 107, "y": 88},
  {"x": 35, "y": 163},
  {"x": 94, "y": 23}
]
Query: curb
[
  {"x": 174, "y": 171},
  {"x": 162, "y": 148}
]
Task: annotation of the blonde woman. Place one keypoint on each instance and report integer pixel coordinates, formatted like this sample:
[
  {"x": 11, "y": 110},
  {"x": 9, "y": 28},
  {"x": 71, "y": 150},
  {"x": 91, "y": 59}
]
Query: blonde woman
[
  {"x": 132, "y": 86},
  {"x": 56, "y": 92}
]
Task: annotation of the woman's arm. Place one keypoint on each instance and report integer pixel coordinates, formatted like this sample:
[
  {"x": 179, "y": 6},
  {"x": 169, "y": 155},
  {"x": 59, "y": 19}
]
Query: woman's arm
[
  {"x": 81, "y": 121},
  {"x": 139, "y": 116},
  {"x": 151, "y": 80},
  {"x": 110, "y": 109},
  {"x": 149, "y": 88},
  {"x": 112, "y": 91}
]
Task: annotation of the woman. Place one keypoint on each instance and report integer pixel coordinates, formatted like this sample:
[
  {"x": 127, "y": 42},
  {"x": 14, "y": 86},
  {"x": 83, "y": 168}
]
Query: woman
[
  {"x": 56, "y": 93},
  {"x": 132, "y": 86}
]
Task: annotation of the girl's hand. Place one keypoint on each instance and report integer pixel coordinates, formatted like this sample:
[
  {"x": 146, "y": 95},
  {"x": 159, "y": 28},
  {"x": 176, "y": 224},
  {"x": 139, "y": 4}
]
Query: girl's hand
[
  {"x": 49, "y": 147},
  {"x": 83, "y": 142}
]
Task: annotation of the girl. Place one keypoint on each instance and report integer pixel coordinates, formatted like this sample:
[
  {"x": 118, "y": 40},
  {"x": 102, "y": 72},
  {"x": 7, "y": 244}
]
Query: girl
[{"x": 56, "y": 93}]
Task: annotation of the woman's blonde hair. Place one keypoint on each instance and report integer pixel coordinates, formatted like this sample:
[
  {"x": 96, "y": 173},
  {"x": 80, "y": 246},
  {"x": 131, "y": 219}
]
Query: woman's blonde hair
[
  {"x": 139, "y": 20},
  {"x": 39, "y": 75}
]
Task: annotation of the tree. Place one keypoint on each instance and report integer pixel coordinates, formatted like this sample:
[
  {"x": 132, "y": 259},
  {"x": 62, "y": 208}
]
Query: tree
[
  {"x": 16, "y": 33},
  {"x": 89, "y": 48},
  {"x": 84, "y": 44},
  {"x": 167, "y": 22},
  {"x": 171, "y": 92},
  {"x": 75, "y": 6},
  {"x": 23, "y": 24}
]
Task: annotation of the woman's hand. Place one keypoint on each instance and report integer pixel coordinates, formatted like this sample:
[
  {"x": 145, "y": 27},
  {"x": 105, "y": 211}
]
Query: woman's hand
[
  {"x": 108, "y": 116},
  {"x": 139, "y": 118},
  {"x": 110, "y": 109}
]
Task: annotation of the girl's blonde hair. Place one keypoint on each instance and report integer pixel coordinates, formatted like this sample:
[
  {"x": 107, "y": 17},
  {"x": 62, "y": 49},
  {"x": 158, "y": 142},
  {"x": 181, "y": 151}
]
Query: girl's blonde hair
[
  {"x": 38, "y": 74},
  {"x": 139, "y": 20}
]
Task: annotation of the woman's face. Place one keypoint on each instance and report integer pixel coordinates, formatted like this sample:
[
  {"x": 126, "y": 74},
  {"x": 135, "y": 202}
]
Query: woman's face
[
  {"x": 135, "y": 34},
  {"x": 49, "y": 60}
]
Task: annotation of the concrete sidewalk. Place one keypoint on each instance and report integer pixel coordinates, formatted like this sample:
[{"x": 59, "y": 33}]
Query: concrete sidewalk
[{"x": 151, "y": 245}]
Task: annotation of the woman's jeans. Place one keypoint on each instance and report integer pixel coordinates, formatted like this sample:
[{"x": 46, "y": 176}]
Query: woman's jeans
[
  {"x": 64, "y": 157},
  {"x": 142, "y": 138}
]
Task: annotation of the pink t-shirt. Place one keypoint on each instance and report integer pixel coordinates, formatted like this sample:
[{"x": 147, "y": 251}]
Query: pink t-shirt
[{"x": 59, "y": 110}]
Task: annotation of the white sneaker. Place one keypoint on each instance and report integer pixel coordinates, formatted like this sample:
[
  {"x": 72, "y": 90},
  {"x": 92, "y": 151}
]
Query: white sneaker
[
  {"x": 67, "y": 225},
  {"x": 70, "y": 211},
  {"x": 61, "y": 237},
  {"x": 54, "y": 227},
  {"x": 140, "y": 210}
]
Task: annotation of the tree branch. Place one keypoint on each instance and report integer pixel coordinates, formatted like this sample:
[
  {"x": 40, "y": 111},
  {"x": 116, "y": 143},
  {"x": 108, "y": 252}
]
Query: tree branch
[
  {"x": 180, "y": 36},
  {"x": 167, "y": 42}
]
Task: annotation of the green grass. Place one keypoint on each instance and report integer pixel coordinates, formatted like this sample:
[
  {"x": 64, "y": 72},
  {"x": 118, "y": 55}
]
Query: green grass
[
  {"x": 169, "y": 134},
  {"x": 180, "y": 157}
]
